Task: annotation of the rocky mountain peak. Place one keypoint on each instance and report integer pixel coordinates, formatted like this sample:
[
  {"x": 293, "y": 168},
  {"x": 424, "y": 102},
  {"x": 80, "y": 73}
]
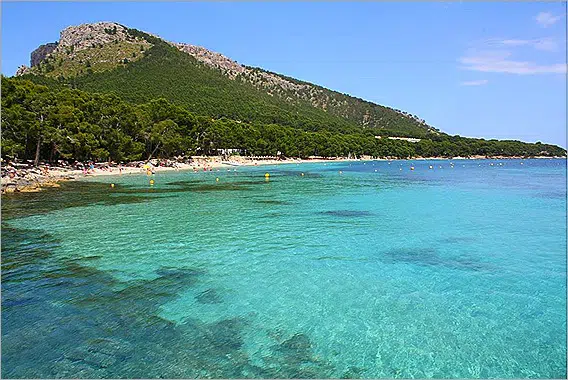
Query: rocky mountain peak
[
  {"x": 87, "y": 48},
  {"x": 83, "y": 36}
]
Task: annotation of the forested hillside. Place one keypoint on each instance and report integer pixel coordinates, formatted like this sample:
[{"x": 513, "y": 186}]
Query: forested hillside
[
  {"x": 145, "y": 67},
  {"x": 50, "y": 123}
]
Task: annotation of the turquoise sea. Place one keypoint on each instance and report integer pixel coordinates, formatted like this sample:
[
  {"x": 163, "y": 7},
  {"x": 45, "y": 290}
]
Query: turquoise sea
[{"x": 379, "y": 271}]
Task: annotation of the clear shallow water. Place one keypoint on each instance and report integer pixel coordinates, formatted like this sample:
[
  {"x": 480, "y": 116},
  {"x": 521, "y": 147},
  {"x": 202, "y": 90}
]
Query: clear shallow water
[{"x": 375, "y": 272}]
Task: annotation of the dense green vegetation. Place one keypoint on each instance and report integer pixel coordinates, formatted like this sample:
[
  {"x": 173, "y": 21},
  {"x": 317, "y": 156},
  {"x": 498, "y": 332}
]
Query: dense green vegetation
[
  {"x": 54, "y": 122},
  {"x": 166, "y": 72},
  {"x": 364, "y": 113}
]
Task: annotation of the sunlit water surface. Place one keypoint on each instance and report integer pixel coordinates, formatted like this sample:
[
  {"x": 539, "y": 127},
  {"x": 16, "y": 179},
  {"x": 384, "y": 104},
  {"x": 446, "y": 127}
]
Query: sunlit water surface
[{"x": 454, "y": 271}]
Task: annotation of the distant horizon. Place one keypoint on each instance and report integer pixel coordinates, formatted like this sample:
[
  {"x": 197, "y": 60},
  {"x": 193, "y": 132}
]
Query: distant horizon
[{"x": 469, "y": 107}]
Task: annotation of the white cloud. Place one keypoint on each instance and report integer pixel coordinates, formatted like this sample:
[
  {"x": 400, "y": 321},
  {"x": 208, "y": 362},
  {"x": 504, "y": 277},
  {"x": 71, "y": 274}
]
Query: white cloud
[
  {"x": 480, "y": 82},
  {"x": 514, "y": 42},
  {"x": 499, "y": 62},
  {"x": 546, "y": 19},
  {"x": 495, "y": 55},
  {"x": 546, "y": 44}
]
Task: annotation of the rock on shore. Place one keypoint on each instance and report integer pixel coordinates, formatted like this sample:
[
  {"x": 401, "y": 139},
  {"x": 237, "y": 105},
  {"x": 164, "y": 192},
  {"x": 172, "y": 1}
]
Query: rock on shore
[{"x": 28, "y": 180}]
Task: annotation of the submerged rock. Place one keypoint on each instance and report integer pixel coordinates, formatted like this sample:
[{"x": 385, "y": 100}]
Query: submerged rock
[
  {"x": 298, "y": 342},
  {"x": 209, "y": 296}
]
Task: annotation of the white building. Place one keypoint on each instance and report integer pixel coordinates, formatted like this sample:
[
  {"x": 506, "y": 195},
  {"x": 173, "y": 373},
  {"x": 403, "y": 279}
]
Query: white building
[{"x": 409, "y": 139}]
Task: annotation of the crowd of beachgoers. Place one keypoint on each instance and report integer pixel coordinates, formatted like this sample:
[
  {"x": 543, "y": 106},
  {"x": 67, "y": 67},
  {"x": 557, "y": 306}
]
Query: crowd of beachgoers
[{"x": 27, "y": 176}]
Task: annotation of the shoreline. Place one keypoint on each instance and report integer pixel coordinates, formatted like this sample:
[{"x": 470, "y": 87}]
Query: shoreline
[{"x": 30, "y": 180}]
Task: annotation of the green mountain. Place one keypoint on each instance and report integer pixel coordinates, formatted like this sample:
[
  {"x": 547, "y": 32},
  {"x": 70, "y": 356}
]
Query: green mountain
[
  {"x": 107, "y": 92},
  {"x": 108, "y": 57}
]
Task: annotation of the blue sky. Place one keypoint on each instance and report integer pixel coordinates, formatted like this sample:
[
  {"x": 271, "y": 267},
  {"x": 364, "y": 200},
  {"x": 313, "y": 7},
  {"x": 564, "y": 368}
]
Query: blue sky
[{"x": 493, "y": 70}]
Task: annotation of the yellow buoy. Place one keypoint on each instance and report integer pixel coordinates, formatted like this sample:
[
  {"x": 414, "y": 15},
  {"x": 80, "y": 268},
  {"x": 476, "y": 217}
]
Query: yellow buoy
[
  {"x": 151, "y": 182},
  {"x": 112, "y": 185},
  {"x": 266, "y": 175},
  {"x": 217, "y": 179},
  {"x": 412, "y": 168},
  {"x": 302, "y": 174}
]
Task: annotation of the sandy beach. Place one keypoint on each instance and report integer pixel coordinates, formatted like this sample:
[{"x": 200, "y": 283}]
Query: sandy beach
[
  {"x": 32, "y": 179},
  {"x": 213, "y": 163}
]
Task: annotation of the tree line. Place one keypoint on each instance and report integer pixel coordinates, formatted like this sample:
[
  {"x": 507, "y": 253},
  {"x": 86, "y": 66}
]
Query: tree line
[{"x": 47, "y": 123}]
